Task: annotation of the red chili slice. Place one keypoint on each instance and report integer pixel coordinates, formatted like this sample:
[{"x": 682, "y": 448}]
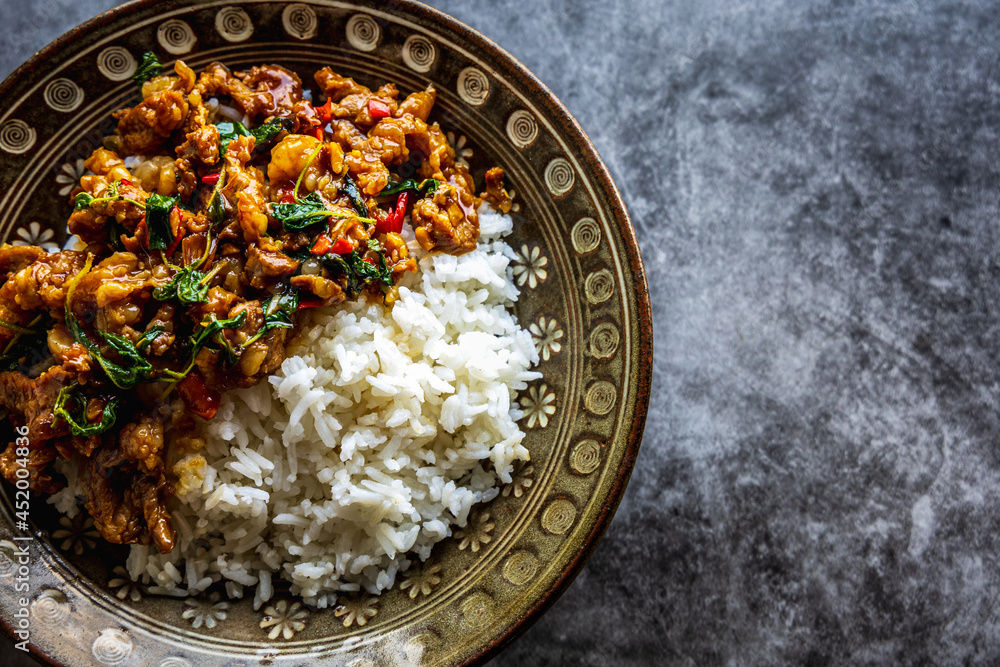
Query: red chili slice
[
  {"x": 210, "y": 179},
  {"x": 342, "y": 246},
  {"x": 321, "y": 246},
  {"x": 311, "y": 303},
  {"x": 199, "y": 399},
  {"x": 377, "y": 108},
  {"x": 175, "y": 213},
  {"x": 325, "y": 111}
]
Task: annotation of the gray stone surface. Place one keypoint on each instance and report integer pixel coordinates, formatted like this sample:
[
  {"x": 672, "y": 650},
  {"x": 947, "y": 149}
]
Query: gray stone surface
[{"x": 815, "y": 187}]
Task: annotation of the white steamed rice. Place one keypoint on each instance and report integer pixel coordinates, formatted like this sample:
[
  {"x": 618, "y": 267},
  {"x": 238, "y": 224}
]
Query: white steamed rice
[{"x": 383, "y": 428}]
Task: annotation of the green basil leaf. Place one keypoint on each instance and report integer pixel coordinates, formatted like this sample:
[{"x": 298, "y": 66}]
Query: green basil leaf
[
  {"x": 350, "y": 188},
  {"x": 83, "y": 200},
  {"x": 149, "y": 67},
  {"x": 279, "y": 311},
  {"x": 425, "y": 187},
  {"x": 209, "y": 328},
  {"x": 186, "y": 286},
  {"x": 228, "y": 132},
  {"x": 298, "y": 216},
  {"x": 262, "y": 134},
  {"x": 270, "y": 129},
  {"x": 217, "y": 209},
  {"x": 82, "y": 427},
  {"x": 158, "y": 210},
  {"x": 358, "y": 272}
]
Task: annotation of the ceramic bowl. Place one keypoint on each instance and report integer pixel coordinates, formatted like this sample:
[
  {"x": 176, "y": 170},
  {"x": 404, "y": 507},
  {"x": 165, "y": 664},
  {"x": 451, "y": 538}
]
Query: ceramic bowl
[{"x": 584, "y": 299}]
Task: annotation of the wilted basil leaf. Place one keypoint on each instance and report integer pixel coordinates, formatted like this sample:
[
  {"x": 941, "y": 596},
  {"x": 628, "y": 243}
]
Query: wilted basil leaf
[{"x": 158, "y": 210}]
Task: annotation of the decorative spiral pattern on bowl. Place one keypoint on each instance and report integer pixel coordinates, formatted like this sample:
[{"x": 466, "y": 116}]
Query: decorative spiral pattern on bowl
[
  {"x": 473, "y": 86},
  {"x": 522, "y": 129},
  {"x": 112, "y": 647},
  {"x": 585, "y": 457},
  {"x": 176, "y": 37},
  {"x": 586, "y": 236},
  {"x": 299, "y": 21},
  {"x": 599, "y": 286},
  {"x": 63, "y": 95},
  {"x": 17, "y": 137},
  {"x": 604, "y": 340},
  {"x": 520, "y": 568},
  {"x": 175, "y": 661},
  {"x": 559, "y": 177},
  {"x": 116, "y": 63},
  {"x": 558, "y": 517},
  {"x": 7, "y": 562},
  {"x": 50, "y": 607},
  {"x": 419, "y": 53},
  {"x": 363, "y": 32},
  {"x": 600, "y": 398},
  {"x": 233, "y": 24},
  {"x": 476, "y": 609}
]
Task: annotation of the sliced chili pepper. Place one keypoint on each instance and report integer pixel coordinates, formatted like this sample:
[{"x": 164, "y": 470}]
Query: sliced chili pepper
[
  {"x": 286, "y": 192},
  {"x": 310, "y": 303},
  {"x": 201, "y": 400},
  {"x": 397, "y": 220},
  {"x": 127, "y": 182},
  {"x": 175, "y": 213},
  {"x": 325, "y": 111},
  {"x": 319, "y": 133},
  {"x": 377, "y": 108},
  {"x": 342, "y": 246},
  {"x": 370, "y": 260},
  {"x": 394, "y": 221},
  {"x": 322, "y": 244},
  {"x": 210, "y": 179}
]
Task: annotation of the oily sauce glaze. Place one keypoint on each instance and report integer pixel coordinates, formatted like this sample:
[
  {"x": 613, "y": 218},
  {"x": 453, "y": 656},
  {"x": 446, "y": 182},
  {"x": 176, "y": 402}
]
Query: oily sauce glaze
[{"x": 200, "y": 259}]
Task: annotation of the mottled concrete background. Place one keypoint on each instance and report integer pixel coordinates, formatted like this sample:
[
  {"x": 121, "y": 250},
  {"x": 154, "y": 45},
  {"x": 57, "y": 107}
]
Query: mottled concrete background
[{"x": 815, "y": 189}]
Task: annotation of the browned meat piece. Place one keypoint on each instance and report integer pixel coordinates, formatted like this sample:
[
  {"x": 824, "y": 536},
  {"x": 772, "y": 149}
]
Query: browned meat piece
[
  {"x": 14, "y": 258},
  {"x": 31, "y": 400},
  {"x": 276, "y": 91},
  {"x": 127, "y": 506},
  {"x": 245, "y": 187},
  {"x": 155, "y": 512},
  {"x": 263, "y": 267},
  {"x": 337, "y": 87},
  {"x": 368, "y": 170},
  {"x": 38, "y": 462},
  {"x": 269, "y": 90},
  {"x": 38, "y": 285},
  {"x": 324, "y": 288},
  {"x": 254, "y": 321},
  {"x": 262, "y": 357},
  {"x": 91, "y": 223},
  {"x": 76, "y": 443},
  {"x": 419, "y": 104},
  {"x": 495, "y": 194},
  {"x": 142, "y": 442},
  {"x": 447, "y": 220},
  {"x": 42, "y": 283},
  {"x": 67, "y": 351},
  {"x": 201, "y": 138},
  {"x": 145, "y": 128},
  {"x": 164, "y": 317}
]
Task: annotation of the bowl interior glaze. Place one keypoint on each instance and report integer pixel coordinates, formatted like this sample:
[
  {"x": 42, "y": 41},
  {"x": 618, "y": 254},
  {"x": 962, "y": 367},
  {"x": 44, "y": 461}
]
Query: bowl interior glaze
[{"x": 584, "y": 298}]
